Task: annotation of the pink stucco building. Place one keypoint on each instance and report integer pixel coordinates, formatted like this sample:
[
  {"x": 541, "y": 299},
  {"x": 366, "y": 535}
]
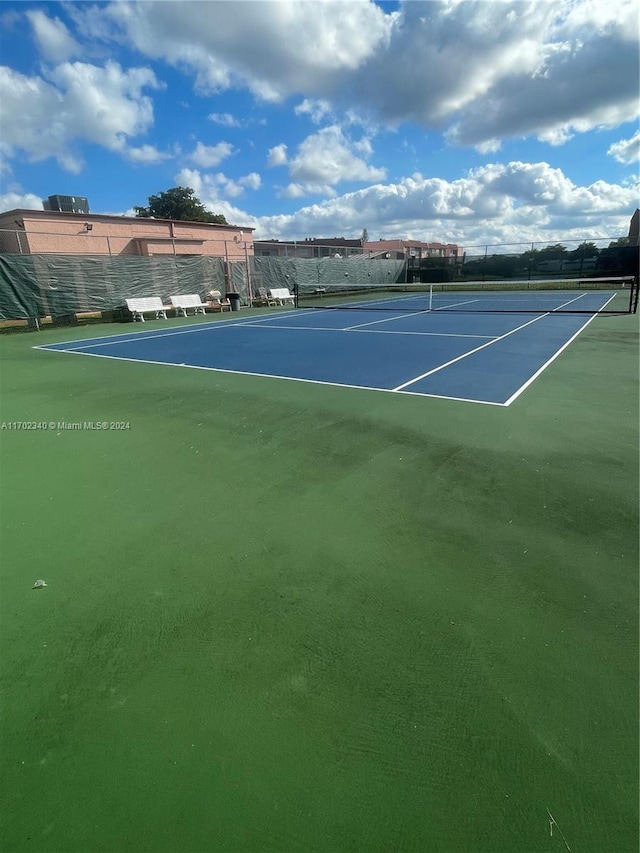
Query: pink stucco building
[
  {"x": 400, "y": 248},
  {"x": 54, "y": 232}
]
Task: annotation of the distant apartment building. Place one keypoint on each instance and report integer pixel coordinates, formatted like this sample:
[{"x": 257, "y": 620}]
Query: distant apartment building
[
  {"x": 325, "y": 247},
  {"x": 61, "y": 232},
  {"x": 329, "y": 247},
  {"x": 414, "y": 249}
]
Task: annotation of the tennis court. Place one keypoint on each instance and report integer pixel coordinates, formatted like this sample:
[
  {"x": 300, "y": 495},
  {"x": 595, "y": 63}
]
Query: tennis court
[
  {"x": 293, "y": 614},
  {"x": 469, "y": 345}
]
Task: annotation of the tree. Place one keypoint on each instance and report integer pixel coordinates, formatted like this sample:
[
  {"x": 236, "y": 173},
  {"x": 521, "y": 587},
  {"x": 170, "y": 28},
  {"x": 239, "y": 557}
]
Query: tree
[
  {"x": 552, "y": 253},
  {"x": 179, "y": 203},
  {"x": 365, "y": 235},
  {"x": 586, "y": 250}
]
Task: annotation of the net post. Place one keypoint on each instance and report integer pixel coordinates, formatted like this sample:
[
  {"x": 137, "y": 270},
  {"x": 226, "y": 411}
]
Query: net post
[{"x": 430, "y": 295}]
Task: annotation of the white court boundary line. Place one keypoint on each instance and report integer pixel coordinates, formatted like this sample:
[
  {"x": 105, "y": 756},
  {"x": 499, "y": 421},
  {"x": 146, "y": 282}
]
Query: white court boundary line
[
  {"x": 277, "y": 376},
  {"x": 108, "y": 340},
  {"x": 481, "y": 347},
  {"x": 541, "y": 370}
]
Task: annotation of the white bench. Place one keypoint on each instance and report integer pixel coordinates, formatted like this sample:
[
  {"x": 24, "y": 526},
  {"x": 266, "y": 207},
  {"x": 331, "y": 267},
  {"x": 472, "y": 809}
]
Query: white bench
[
  {"x": 147, "y": 305},
  {"x": 183, "y": 303},
  {"x": 282, "y": 295}
]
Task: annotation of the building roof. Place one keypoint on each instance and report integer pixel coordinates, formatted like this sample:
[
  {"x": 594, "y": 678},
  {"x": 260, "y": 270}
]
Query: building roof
[
  {"x": 314, "y": 241},
  {"x": 101, "y": 217}
]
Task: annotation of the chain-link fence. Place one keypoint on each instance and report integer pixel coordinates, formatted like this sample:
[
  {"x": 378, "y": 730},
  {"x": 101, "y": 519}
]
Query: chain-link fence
[{"x": 37, "y": 285}]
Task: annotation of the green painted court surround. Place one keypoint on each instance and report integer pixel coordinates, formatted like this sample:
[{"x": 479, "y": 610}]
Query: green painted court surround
[{"x": 286, "y": 617}]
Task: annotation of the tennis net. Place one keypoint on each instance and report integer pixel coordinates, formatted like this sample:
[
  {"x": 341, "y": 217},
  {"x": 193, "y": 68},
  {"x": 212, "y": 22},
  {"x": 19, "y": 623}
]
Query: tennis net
[{"x": 611, "y": 295}]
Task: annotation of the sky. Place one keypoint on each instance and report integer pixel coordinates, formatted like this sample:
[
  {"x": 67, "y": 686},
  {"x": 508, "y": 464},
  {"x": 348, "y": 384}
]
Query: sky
[{"x": 454, "y": 121}]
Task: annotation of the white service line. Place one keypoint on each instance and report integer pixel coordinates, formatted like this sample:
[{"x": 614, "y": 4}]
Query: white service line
[
  {"x": 423, "y": 334},
  {"x": 253, "y": 321},
  {"x": 367, "y": 331},
  {"x": 400, "y": 316},
  {"x": 569, "y": 301},
  {"x": 549, "y": 361},
  {"x": 455, "y": 304},
  {"x": 467, "y": 354}
]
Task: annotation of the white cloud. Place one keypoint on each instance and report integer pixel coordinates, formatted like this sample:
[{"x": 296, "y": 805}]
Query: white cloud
[
  {"x": 54, "y": 39},
  {"x": 103, "y": 105},
  {"x": 627, "y": 150},
  {"x": 295, "y": 46},
  {"x": 323, "y": 160},
  {"x": 277, "y": 156},
  {"x": 146, "y": 155},
  {"x": 329, "y": 157},
  {"x": 294, "y": 190},
  {"x": 18, "y": 199},
  {"x": 224, "y": 119},
  {"x": 587, "y": 16},
  {"x": 316, "y": 109},
  {"x": 210, "y": 190},
  {"x": 207, "y": 156},
  {"x": 551, "y": 90},
  {"x": 252, "y": 181},
  {"x": 484, "y": 71},
  {"x": 223, "y": 185},
  {"x": 228, "y": 186},
  {"x": 497, "y": 203}
]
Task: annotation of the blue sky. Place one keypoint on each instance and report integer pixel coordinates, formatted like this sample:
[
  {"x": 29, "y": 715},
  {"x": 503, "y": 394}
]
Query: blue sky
[{"x": 458, "y": 121}]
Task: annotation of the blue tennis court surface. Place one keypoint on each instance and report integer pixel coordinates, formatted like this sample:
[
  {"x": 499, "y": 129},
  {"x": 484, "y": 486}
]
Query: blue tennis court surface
[{"x": 476, "y": 357}]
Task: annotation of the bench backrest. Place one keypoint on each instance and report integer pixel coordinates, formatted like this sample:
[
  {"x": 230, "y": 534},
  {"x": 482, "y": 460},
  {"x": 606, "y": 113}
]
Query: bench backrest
[
  {"x": 281, "y": 293},
  {"x": 148, "y": 303},
  {"x": 192, "y": 300}
]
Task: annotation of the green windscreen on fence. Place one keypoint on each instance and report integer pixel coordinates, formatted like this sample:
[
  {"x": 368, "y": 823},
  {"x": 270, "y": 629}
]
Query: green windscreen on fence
[
  {"x": 53, "y": 284},
  {"x": 306, "y": 273},
  {"x": 43, "y": 285}
]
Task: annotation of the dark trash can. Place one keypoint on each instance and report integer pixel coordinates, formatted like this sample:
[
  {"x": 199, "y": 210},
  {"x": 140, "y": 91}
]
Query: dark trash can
[
  {"x": 234, "y": 300},
  {"x": 121, "y": 314},
  {"x": 64, "y": 320}
]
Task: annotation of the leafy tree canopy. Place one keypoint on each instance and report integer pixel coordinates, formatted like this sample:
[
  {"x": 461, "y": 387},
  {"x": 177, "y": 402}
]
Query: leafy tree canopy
[
  {"x": 179, "y": 203},
  {"x": 586, "y": 250}
]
